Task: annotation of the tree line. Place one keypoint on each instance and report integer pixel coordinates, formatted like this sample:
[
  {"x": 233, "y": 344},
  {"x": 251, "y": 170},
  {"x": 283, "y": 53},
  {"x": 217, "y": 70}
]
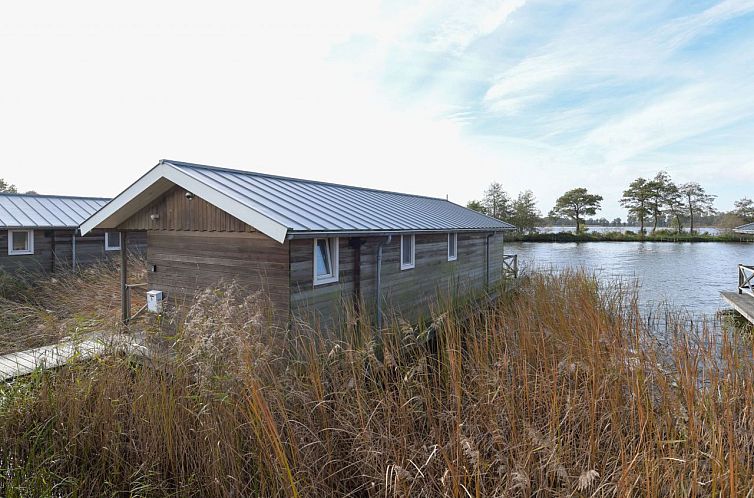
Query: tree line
[
  {"x": 650, "y": 202},
  {"x": 9, "y": 188}
]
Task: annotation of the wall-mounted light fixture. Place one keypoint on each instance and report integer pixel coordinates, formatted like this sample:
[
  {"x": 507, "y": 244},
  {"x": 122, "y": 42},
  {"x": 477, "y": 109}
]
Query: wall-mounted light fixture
[
  {"x": 154, "y": 217},
  {"x": 189, "y": 195}
]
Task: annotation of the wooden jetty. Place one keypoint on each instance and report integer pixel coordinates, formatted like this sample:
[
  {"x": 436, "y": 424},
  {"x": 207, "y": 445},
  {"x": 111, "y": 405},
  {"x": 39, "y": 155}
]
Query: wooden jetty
[
  {"x": 25, "y": 362},
  {"x": 743, "y": 300}
]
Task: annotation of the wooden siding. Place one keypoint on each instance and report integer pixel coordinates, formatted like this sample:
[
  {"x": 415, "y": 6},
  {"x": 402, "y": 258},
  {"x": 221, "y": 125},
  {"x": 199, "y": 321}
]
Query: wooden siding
[
  {"x": 176, "y": 212},
  {"x": 410, "y": 294},
  {"x": 183, "y": 263},
  {"x": 89, "y": 250}
]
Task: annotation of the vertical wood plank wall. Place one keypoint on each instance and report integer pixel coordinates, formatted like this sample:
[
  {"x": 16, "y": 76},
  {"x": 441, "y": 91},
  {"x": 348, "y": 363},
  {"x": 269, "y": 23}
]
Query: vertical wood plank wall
[
  {"x": 407, "y": 293},
  {"x": 174, "y": 211}
]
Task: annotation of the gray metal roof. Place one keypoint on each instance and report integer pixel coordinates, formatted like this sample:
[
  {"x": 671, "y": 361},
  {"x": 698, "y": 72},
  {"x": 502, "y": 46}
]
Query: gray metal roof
[
  {"x": 311, "y": 206},
  {"x": 748, "y": 228},
  {"x": 46, "y": 211}
]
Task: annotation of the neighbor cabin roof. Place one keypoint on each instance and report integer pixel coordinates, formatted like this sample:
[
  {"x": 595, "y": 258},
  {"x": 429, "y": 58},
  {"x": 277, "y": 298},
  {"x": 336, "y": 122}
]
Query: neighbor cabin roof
[
  {"x": 282, "y": 207},
  {"x": 748, "y": 228},
  {"x": 46, "y": 211}
]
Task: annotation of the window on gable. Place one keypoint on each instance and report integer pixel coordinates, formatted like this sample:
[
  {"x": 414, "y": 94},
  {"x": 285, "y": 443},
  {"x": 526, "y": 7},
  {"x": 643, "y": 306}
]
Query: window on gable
[
  {"x": 452, "y": 246},
  {"x": 20, "y": 242},
  {"x": 408, "y": 251},
  {"x": 112, "y": 241},
  {"x": 325, "y": 260}
]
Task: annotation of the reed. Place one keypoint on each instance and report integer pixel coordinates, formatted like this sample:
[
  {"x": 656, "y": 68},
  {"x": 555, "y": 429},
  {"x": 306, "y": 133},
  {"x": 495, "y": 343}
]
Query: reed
[
  {"x": 556, "y": 389},
  {"x": 41, "y": 309}
]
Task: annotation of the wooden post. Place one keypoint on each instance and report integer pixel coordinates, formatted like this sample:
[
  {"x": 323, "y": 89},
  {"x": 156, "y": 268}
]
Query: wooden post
[
  {"x": 73, "y": 250},
  {"x": 52, "y": 252},
  {"x": 740, "y": 280},
  {"x": 125, "y": 299}
]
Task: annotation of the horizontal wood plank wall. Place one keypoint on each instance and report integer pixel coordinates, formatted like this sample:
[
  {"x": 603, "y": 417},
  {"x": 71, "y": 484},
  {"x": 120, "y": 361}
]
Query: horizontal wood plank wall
[
  {"x": 39, "y": 262},
  {"x": 411, "y": 294},
  {"x": 188, "y": 262},
  {"x": 175, "y": 212},
  {"x": 322, "y": 306},
  {"x": 89, "y": 249}
]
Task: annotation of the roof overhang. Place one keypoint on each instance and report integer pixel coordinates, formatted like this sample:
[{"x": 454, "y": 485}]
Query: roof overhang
[
  {"x": 159, "y": 180},
  {"x": 38, "y": 227},
  {"x": 374, "y": 233}
]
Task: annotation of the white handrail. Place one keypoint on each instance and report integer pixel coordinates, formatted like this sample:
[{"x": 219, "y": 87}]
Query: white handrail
[{"x": 746, "y": 279}]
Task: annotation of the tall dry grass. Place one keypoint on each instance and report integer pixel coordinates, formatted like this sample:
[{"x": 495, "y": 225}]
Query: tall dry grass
[
  {"x": 39, "y": 309},
  {"x": 556, "y": 389}
]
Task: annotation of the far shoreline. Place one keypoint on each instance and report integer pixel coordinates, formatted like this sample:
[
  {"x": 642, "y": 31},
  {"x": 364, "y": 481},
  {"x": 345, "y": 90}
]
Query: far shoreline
[{"x": 660, "y": 236}]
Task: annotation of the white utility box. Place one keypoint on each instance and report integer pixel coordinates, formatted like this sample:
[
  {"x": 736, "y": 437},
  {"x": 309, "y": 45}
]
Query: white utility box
[{"x": 154, "y": 301}]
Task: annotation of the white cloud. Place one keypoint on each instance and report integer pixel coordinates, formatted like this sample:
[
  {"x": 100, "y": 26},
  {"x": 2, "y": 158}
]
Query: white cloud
[
  {"x": 673, "y": 117},
  {"x": 523, "y": 83}
]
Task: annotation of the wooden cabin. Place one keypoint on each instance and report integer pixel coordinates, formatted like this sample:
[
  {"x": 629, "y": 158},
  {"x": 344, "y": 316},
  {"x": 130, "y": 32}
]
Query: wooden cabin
[
  {"x": 39, "y": 233},
  {"x": 745, "y": 229},
  {"x": 314, "y": 248}
]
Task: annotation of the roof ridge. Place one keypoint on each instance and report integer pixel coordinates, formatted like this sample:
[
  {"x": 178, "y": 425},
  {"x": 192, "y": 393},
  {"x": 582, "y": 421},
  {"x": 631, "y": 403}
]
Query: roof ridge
[
  {"x": 295, "y": 179},
  {"x": 52, "y": 196}
]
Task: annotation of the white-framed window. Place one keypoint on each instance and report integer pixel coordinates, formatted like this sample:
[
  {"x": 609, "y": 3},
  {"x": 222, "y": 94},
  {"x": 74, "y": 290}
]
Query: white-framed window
[
  {"x": 408, "y": 251},
  {"x": 20, "y": 242},
  {"x": 325, "y": 261},
  {"x": 112, "y": 241},
  {"x": 452, "y": 246}
]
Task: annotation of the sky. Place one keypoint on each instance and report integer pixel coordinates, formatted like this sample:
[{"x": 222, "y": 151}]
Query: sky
[{"x": 428, "y": 97}]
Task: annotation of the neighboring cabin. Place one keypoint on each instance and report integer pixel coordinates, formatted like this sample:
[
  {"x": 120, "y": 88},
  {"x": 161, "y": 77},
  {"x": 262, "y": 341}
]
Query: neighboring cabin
[
  {"x": 38, "y": 233},
  {"x": 747, "y": 229},
  {"x": 312, "y": 247}
]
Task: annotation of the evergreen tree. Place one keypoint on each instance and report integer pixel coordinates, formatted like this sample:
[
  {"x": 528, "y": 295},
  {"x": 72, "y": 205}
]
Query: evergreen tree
[
  {"x": 659, "y": 190},
  {"x": 477, "y": 206},
  {"x": 525, "y": 214},
  {"x": 497, "y": 202},
  {"x": 744, "y": 208},
  {"x": 7, "y": 188},
  {"x": 697, "y": 201},
  {"x": 576, "y": 204},
  {"x": 636, "y": 201}
]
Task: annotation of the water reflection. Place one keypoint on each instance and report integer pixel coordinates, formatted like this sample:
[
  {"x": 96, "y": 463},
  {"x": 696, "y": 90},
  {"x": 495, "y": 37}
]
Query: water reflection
[{"x": 688, "y": 276}]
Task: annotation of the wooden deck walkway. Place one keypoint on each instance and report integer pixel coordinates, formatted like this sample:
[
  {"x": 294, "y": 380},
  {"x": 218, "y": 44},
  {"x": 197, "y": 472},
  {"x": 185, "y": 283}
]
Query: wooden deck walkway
[
  {"x": 743, "y": 303},
  {"x": 46, "y": 357}
]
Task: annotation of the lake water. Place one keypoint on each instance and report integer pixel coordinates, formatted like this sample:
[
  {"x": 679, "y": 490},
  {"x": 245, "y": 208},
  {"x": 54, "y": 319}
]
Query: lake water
[{"x": 686, "y": 275}]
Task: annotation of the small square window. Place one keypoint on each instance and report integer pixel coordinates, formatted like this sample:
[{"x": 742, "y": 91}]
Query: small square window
[
  {"x": 452, "y": 246},
  {"x": 20, "y": 242},
  {"x": 408, "y": 252},
  {"x": 325, "y": 261},
  {"x": 112, "y": 241}
]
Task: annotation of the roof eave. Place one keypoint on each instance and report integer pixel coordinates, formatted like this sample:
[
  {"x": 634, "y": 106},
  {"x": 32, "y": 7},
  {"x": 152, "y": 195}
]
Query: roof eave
[
  {"x": 38, "y": 227},
  {"x": 307, "y": 234}
]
